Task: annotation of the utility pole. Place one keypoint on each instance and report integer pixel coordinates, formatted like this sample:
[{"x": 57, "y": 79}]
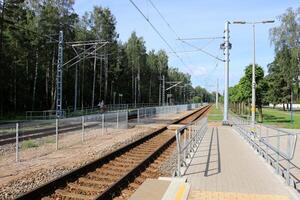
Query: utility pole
[
  {"x": 59, "y": 75},
  {"x": 217, "y": 95},
  {"x": 253, "y": 107},
  {"x": 226, "y": 78}
]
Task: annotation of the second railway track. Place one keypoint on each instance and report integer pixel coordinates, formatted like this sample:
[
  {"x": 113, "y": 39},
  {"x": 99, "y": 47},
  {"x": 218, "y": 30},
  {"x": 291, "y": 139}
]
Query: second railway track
[{"x": 118, "y": 174}]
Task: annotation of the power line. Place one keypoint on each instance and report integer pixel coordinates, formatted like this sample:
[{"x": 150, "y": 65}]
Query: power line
[
  {"x": 170, "y": 27},
  {"x": 159, "y": 34},
  {"x": 164, "y": 19},
  {"x": 203, "y": 51},
  {"x": 201, "y": 38}
]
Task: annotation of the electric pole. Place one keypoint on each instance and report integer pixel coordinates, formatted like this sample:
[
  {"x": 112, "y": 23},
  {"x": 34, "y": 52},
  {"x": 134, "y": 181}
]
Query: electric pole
[
  {"x": 227, "y": 46},
  {"x": 59, "y": 75}
]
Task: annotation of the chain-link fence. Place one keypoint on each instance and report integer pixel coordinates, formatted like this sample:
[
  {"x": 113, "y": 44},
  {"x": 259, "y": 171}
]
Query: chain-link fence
[{"x": 36, "y": 138}]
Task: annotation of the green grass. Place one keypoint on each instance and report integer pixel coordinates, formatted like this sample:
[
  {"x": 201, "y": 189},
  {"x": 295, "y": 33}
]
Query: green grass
[
  {"x": 215, "y": 114},
  {"x": 280, "y": 118},
  {"x": 29, "y": 144}
]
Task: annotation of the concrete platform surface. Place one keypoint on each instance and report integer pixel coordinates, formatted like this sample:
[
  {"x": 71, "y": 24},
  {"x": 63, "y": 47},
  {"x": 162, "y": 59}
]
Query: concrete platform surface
[
  {"x": 164, "y": 188},
  {"x": 151, "y": 189},
  {"x": 224, "y": 162}
]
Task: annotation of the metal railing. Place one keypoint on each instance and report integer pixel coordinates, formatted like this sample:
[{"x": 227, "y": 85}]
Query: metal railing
[
  {"x": 273, "y": 144},
  {"x": 188, "y": 138}
]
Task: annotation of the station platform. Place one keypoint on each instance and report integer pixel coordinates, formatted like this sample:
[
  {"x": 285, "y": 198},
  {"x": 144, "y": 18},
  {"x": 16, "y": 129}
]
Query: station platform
[{"x": 224, "y": 167}]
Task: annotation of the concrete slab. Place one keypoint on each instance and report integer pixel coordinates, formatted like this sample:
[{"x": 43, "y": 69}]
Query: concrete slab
[
  {"x": 178, "y": 189},
  {"x": 224, "y": 162},
  {"x": 151, "y": 189}
]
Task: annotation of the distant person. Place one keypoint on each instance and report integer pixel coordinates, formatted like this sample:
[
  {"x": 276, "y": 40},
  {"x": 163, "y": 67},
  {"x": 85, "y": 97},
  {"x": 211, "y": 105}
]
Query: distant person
[{"x": 101, "y": 105}]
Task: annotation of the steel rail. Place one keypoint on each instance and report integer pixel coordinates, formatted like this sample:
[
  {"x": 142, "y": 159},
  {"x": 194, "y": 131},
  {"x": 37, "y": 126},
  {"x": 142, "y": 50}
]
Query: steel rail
[{"x": 73, "y": 175}]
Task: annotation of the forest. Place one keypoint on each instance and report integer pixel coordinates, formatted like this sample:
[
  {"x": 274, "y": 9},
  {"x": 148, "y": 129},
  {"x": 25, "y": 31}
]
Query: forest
[{"x": 29, "y": 51}]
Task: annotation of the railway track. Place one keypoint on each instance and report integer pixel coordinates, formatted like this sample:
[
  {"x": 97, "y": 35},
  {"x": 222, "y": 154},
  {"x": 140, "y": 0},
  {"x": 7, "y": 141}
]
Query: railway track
[{"x": 118, "y": 174}]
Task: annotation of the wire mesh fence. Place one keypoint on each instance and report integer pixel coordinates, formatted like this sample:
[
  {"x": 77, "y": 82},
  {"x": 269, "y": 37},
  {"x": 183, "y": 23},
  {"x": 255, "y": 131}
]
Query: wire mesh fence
[{"x": 36, "y": 138}]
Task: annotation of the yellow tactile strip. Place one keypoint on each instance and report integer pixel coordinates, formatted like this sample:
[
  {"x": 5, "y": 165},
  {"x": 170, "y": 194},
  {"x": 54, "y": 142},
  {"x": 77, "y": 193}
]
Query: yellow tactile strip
[{"x": 206, "y": 195}]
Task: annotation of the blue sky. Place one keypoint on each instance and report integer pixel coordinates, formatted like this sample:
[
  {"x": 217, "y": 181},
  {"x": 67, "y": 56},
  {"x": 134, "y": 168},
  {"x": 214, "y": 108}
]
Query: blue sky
[{"x": 196, "y": 18}]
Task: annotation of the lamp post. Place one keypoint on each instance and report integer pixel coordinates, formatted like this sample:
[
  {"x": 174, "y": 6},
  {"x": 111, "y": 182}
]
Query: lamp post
[{"x": 253, "y": 65}]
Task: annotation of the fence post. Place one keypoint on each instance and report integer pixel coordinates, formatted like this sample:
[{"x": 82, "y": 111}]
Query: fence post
[
  {"x": 178, "y": 153},
  {"x": 127, "y": 118},
  {"x": 102, "y": 130},
  {"x": 17, "y": 142},
  {"x": 288, "y": 164},
  {"x": 267, "y": 146},
  {"x": 184, "y": 143},
  {"x": 56, "y": 133},
  {"x": 278, "y": 149},
  {"x": 138, "y": 116},
  {"x": 117, "y": 119},
  {"x": 82, "y": 129}
]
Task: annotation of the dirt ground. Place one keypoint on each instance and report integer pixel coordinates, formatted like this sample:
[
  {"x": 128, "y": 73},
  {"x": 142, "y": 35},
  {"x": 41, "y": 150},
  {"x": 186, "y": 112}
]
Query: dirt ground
[{"x": 40, "y": 164}]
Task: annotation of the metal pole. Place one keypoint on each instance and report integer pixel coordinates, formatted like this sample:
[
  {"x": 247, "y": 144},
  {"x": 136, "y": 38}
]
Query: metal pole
[
  {"x": 291, "y": 107},
  {"x": 163, "y": 91},
  {"x": 117, "y": 119},
  {"x": 102, "y": 130},
  {"x": 59, "y": 75},
  {"x": 253, "y": 82},
  {"x": 82, "y": 130},
  {"x": 17, "y": 142},
  {"x": 289, "y": 162},
  {"x": 94, "y": 77},
  {"x": 159, "y": 92},
  {"x": 56, "y": 133},
  {"x": 127, "y": 117},
  {"x": 217, "y": 95},
  {"x": 278, "y": 150},
  {"x": 75, "y": 88},
  {"x": 138, "y": 116},
  {"x": 226, "y": 78}
]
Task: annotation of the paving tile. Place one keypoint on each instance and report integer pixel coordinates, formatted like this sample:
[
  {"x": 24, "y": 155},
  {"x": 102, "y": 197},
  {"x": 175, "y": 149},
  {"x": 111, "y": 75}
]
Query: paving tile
[{"x": 224, "y": 162}]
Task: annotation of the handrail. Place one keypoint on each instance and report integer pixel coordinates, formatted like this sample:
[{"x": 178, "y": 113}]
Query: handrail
[
  {"x": 185, "y": 148},
  {"x": 258, "y": 142}
]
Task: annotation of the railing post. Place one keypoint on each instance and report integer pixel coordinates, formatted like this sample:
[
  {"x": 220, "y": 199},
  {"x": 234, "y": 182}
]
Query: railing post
[
  {"x": 267, "y": 146},
  {"x": 56, "y": 133},
  {"x": 17, "y": 142},
  {"x": 178, "y": 153},
  {"x": 184, "y": 143},
  {"x": 278, "y": 149},
  {"x": 288, "y": 164}
]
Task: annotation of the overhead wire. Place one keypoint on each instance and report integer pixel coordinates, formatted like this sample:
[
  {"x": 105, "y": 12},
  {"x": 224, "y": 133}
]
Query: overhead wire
[
  {"x": 169, "y": 26},
  {"x": 159, "y": 34}
]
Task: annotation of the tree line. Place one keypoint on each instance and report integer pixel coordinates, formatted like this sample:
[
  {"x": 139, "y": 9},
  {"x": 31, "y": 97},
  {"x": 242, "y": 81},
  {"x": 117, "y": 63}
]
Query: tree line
[
  {"x": 28, "y": 52},
  {"x": 281, "y": 83}
]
